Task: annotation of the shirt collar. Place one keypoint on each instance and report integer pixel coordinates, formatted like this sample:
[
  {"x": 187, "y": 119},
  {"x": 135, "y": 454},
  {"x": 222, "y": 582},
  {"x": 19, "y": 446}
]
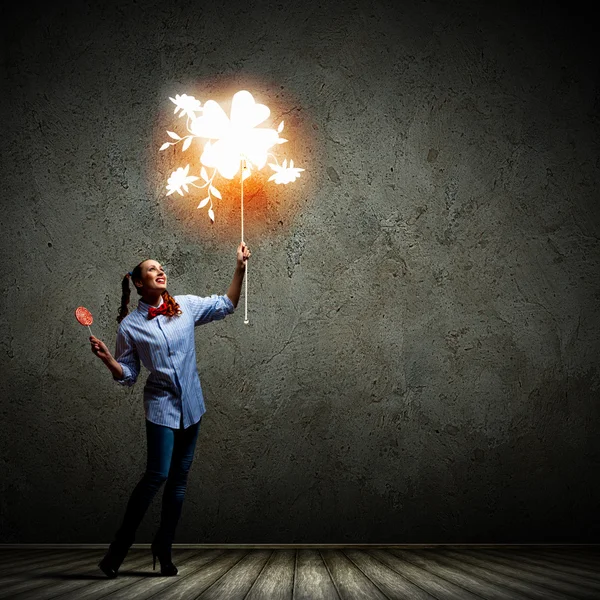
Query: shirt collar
[{"x": 144, "y": 306}]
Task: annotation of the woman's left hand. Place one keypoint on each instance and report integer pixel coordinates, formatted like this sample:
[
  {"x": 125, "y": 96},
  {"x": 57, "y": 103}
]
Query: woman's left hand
[{"x": 243, "y": 254}]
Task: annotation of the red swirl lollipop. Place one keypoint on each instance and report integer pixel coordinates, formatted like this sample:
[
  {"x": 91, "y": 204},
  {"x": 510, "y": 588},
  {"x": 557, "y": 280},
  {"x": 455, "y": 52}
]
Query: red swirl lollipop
[{"x": 84, "y": 316}]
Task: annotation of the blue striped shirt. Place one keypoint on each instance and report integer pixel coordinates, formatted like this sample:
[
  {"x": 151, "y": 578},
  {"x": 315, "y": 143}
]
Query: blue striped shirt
[{"x": 165, "y": 346}]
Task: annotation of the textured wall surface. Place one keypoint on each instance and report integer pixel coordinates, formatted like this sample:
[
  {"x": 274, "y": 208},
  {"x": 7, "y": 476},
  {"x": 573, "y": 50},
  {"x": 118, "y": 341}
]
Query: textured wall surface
[{"x": 422, "y": 359}]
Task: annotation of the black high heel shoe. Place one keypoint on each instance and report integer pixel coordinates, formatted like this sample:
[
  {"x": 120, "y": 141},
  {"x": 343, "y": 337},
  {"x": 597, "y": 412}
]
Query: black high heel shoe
[
  {"x": 111, "y": 562},
  {"x": 164, "y": 557}
]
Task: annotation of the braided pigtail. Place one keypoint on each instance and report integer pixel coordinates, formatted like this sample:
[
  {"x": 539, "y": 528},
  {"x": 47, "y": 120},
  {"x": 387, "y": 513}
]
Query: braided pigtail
[
  {"x": 125, "y": 294},
  {"x": 172, "y": 306}
]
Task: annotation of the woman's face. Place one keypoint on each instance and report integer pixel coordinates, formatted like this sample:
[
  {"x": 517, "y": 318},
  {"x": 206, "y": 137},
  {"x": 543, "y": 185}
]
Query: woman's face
[{"x": 153, "y": 277}]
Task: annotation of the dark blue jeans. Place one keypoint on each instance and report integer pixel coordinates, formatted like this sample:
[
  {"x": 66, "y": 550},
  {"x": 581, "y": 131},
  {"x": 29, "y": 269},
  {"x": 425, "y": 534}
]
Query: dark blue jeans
[{"x": 170, "y": 455}]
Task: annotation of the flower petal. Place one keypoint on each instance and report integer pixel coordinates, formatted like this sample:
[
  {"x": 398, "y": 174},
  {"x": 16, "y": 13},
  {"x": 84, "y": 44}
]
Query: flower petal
[
  {"x": 213, "y": 123},
  {"x": 261, "y": 138},
  {"x": 228, "y": 166},
  {"x": 245, "y": 113},
  {"x": 210, "y": 155},
  {"x": 224, "y": 155}
]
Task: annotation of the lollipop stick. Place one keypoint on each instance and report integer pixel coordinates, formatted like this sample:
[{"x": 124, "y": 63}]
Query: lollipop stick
[
  {"x": 246, "y": 295},
  {"x": 90, "y": 330},
  {"x": 242, "y": 165}
]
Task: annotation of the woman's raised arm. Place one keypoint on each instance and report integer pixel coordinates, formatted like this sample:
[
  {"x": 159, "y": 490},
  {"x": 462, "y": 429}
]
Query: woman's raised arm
[{"x": 235, "y": 289}]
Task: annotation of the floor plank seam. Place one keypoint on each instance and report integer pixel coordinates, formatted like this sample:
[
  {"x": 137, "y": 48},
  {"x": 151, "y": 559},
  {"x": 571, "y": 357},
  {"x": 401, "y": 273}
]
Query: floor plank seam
[
  {"x": 374, "y": 584},
  {"x": 335, "y": 587},
  {"x": 408, "y": 578},
  {"x": 259, "y": 573},
  {"x": 294, "y": 574},
  {"x": 222, "y": 575}
]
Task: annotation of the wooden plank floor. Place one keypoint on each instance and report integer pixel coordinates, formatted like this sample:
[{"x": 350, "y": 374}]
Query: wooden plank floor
[{"x": 310, "y": 573}]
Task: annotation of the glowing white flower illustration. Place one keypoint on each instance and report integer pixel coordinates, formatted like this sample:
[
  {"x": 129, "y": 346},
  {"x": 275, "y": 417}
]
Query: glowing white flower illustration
[
  {"x": 237, "y": 136},
  {"x": 180, "y": 179},
  {"x": 188, "y": 105},
  {"x": 283, "y": 173},
  {"x": 231, "y": 142}
]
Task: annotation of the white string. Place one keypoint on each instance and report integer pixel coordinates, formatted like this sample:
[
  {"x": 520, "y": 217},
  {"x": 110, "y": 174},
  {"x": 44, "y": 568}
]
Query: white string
[{"x": 246, "y": 273}]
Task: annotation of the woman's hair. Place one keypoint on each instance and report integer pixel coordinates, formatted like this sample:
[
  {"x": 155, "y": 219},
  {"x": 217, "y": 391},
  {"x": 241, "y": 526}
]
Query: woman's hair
[{"x": 172, "y": 306}]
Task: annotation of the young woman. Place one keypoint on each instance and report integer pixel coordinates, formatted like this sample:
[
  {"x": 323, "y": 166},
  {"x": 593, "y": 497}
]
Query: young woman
[{"x": 160, "y": 334}]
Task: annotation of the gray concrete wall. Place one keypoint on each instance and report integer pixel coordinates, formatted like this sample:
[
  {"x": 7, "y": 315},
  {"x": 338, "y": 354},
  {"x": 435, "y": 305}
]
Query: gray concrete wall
[{"x": 422, "y": 359}]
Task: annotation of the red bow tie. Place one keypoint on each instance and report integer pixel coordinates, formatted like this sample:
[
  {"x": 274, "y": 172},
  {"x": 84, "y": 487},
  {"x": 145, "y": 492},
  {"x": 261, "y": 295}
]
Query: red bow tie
[{"x": 161, "y": 310}]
